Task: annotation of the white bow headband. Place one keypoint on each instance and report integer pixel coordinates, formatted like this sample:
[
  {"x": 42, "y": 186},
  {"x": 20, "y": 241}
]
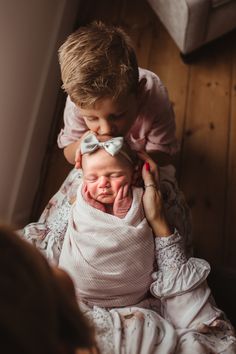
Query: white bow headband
[{"x": 113, "y": 146}]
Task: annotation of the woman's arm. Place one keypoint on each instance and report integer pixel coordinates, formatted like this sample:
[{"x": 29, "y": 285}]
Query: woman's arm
[{"x": 180, "y": 282}]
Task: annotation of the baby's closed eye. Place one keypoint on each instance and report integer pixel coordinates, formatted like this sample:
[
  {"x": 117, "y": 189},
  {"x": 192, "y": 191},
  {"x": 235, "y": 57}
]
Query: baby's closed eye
[
  {"x": 116, "y": 175},
  {"x": 90, "y": 178}
]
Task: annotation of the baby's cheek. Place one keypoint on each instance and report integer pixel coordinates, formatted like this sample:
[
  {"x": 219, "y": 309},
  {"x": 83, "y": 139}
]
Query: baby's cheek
[
  {"x": 92, "y": 189},
  {"x": 118, "y": 183}
]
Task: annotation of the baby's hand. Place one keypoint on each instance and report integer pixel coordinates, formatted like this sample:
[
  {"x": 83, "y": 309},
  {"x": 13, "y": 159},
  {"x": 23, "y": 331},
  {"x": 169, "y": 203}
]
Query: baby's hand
[
  {"x": 92, "y": 202},
  {"x": 122, "y": 201}
]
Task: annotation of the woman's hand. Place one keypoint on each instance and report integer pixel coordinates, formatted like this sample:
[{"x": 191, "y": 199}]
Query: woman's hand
[{"x": 152, "y": 198}]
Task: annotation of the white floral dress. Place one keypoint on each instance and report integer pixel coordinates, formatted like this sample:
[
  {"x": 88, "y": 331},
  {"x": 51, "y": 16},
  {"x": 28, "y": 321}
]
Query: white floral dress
[{"x": 180, "y": 317}]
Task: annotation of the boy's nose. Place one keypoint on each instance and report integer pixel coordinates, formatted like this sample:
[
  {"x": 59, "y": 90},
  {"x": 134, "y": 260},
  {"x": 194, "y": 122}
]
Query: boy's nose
[{"x": 105, "y": 127}]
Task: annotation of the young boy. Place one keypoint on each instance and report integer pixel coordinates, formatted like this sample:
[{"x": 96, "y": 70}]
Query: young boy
[{"x": 109, "y": 94}]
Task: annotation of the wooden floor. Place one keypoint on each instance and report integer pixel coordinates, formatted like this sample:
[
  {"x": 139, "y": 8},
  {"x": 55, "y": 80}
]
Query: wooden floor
[{"x": 203, "y": 94}]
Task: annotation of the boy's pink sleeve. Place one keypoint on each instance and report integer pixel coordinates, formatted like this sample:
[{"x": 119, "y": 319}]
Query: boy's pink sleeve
[
  {"x": 74, "y": 125},
  {"x": 162, "y": 136}
]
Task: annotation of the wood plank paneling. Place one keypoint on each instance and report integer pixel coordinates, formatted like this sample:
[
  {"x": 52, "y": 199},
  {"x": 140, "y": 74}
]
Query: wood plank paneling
[
  {"x": 165, "y": 61},
  {"x": 230, "y": 211},
  {"x": 205, "y": 149},
  {"x": 138, "y": 23}
]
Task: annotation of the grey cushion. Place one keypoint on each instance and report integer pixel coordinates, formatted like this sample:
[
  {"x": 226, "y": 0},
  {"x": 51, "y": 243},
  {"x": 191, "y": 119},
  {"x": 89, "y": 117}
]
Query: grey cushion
[
  {"x": 216, "y": 3},
  {"x": 193, "y": 23}
]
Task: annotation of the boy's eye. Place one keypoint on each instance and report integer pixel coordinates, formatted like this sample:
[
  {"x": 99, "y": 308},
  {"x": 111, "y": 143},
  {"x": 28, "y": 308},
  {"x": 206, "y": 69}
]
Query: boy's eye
[
  {"x": 117, "y": 116},
  {"x": 91, "y": 119}
]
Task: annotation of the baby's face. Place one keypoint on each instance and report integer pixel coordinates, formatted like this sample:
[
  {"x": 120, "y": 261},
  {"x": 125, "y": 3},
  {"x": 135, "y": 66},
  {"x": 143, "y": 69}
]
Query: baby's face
[{"x": 104, "y": 175}]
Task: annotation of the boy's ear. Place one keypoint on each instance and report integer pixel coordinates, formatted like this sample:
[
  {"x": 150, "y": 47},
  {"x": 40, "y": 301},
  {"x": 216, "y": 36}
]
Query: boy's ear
[{"x": 141, "y": 85}]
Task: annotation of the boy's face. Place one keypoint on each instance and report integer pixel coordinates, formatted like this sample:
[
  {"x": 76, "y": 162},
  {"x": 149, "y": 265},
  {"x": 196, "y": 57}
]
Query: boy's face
[
  {"x": 109, "y": 117},
  {"x": 104, "y": 175}
]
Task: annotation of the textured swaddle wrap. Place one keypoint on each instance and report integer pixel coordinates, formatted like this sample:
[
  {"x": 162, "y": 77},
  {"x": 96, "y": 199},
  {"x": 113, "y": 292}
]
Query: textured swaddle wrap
[{"x": 110, "y": 259}]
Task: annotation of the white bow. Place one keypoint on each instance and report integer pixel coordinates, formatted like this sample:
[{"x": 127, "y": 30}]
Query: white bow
[{"x": 90, "y": 143}]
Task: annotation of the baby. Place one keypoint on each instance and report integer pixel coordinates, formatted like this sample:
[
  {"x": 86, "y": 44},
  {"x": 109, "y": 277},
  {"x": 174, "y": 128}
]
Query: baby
[
  {"x": 107, "y": 232},
  {"x": 107, "y": 174}
]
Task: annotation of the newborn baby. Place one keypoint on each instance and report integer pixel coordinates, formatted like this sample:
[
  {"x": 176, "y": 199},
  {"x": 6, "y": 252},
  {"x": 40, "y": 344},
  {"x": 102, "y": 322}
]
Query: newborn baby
[{"x": 107, "y": 232}]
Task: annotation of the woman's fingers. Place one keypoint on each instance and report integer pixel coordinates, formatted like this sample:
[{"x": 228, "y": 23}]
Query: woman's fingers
[
  {"x": 149, "y": 166},
  {"x": 153, "y": 203},
  {"x": 152, "y": 198},
  {"x": 148, "y": 177}
]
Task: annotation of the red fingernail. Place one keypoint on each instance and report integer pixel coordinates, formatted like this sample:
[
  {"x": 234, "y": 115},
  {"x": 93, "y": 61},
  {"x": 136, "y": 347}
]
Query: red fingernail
[{"x": 147, "y": 166}]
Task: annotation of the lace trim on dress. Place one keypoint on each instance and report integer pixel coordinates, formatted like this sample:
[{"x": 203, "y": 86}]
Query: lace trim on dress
[
  {"x": 170, "y": 252},
  {"x": 176, "y": 274}
]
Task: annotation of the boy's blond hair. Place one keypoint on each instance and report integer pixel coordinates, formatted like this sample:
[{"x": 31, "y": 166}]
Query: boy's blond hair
[{"x": 98, "y": 61}]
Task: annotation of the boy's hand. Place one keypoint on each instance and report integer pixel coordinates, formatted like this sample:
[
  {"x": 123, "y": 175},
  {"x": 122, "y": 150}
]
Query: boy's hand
[
  {"x": 78, "y": 156},
  {"x": 92, "y": 202},
  {"x": 122, "y": 201}
]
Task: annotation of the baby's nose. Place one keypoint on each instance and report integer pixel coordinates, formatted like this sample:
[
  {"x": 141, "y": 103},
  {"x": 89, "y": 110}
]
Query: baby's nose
[{"x": 104, "y": 182}]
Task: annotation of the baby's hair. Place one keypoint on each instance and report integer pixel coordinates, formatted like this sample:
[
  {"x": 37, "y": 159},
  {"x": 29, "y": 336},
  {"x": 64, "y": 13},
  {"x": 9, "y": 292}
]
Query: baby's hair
[{"x": 98, "y": 61}]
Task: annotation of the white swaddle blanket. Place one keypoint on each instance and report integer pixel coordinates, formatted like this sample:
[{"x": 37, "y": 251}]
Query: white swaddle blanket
[{"x": 110, "y": 259}]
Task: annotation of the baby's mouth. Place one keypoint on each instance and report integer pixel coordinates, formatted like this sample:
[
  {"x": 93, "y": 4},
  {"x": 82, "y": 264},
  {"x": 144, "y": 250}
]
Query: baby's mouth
[{"x": 104, "y": 193}]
